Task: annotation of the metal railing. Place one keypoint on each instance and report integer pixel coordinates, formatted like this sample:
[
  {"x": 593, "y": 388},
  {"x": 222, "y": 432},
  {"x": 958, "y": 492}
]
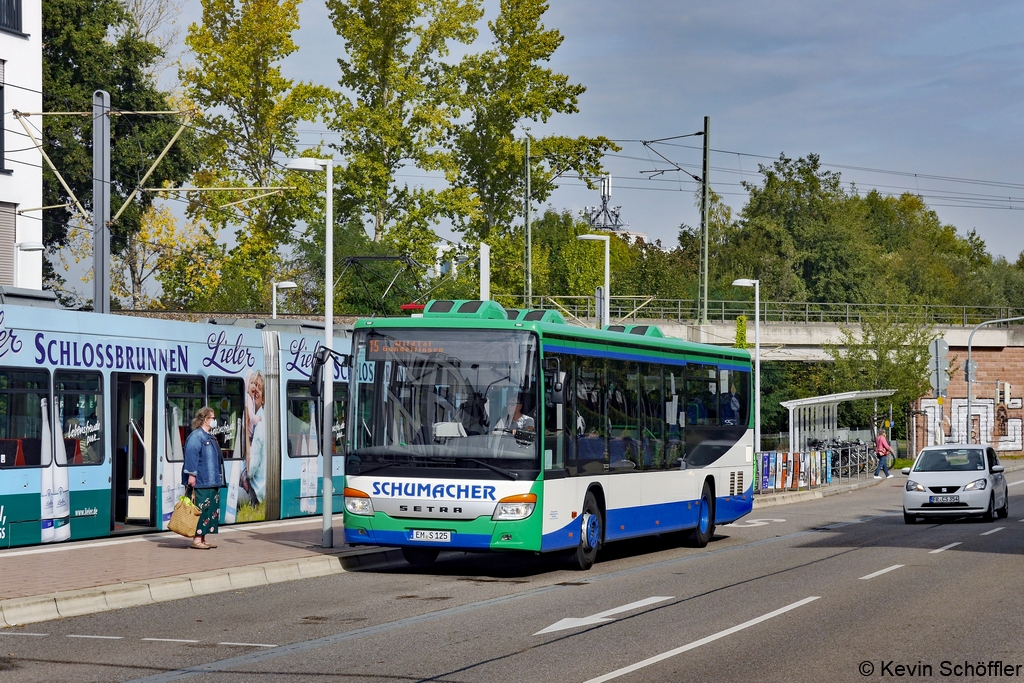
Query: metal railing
[{"x": 629, "y": 308}]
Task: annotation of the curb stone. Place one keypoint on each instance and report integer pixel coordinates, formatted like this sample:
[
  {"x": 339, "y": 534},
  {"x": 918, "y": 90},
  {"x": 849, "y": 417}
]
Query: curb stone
[{"x": 29, "y": 610}]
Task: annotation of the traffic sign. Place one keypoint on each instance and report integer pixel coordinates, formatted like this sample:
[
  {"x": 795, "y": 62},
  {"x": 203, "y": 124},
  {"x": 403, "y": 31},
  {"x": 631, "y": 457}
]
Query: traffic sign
[
  {"x": 972, "y": 371},
  {"x": 938, "y": 348}
]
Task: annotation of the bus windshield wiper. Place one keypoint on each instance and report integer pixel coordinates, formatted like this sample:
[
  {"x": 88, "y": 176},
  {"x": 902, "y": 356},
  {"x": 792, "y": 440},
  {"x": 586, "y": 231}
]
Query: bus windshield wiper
[
  {"x": 494, "y": 468},
  {"x": 374, "y": 468}
]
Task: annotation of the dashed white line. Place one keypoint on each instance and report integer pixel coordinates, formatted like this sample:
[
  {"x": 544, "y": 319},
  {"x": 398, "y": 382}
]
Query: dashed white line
[
  {"x": 998, "y": 528},
  {"x": 1014, "y": 483},
  {"x": 703, "y": 641},
  {"x": 945, "y": 547},
  {"x": 5, "y": 632},
  {"x": 247, "y": 644},
  {"x": 96, "y": 637},
  {"x": 881, "y": 571},
  {"x": 170, "y": 640}
]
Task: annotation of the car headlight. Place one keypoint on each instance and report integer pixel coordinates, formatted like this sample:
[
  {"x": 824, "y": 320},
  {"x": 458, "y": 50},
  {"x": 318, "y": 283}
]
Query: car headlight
[
  {"x": 977, "y": 485},
  {"x": 358, "y": 502},
  {"x": 914, "y": 486},
  {"x": 515, "y": 507}
]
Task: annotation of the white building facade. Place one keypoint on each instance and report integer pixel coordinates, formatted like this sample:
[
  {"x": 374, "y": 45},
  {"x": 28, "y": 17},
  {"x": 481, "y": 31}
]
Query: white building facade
[{"x": 21, "y": 170}]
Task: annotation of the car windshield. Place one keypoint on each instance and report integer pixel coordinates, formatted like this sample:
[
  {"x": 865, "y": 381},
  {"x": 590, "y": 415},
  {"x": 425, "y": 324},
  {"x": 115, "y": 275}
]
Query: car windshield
[
  {"x": 439, "y": 400},
  {"x": 951, "y": 460}
]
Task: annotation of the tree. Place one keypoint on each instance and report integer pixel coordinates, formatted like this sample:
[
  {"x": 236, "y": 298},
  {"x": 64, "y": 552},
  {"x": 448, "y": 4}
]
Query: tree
[
  {"x": 505, "y": 87},
  {"x": 90, "y": 45},
  {"x": 886, "y": 354},
  {"x": 252, "y": 113},
  {"x": 394, "y": 108}
]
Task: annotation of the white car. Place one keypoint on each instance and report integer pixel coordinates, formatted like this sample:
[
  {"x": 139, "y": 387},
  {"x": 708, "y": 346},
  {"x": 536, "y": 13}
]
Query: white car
[{"x": 955, "y": 481}]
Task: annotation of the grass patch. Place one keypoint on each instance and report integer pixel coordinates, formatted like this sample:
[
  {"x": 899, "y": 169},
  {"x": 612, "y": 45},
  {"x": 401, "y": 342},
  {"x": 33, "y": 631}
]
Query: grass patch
[
  {"x": 252, "y": 513},
  {"x": 903, "y": 462}
]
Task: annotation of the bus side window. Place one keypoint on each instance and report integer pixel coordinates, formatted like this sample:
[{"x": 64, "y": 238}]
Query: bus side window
[
  {"x": 652, "y": 418},
  {"x": 675, "y": 417},
  {"x": 591, "y": 431},
  {"x": 557, "y": 427}
]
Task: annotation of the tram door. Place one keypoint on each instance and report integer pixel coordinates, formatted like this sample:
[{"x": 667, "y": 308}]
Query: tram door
[{"x": 134, "y": 483}]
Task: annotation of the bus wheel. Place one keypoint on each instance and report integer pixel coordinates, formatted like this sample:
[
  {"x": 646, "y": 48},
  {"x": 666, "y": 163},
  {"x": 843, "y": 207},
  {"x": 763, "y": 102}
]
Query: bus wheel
[
  {"x": 420, "y": 556},
  {"x": 591, "y": 533},
  {"x": 705, "y": 518}
]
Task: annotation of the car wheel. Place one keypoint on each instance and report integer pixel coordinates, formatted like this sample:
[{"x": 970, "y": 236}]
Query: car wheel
[
  {"x": 1004, "y": 511},
  {"x": 591, "y": 533},
  {"x": 909, "y": 518},
  {"x": 990, "y": 513},
  {"x": 705, "y": 518},
  {"x": 420, "y": 556}
]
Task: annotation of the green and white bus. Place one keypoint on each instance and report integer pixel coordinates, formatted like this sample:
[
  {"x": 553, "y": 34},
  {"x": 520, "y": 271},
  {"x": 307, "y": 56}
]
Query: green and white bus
[{"x": 474, "y": 427}]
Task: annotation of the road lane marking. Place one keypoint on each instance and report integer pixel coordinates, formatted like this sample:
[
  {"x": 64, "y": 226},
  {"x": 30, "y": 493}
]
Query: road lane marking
[
  {"x": 5, "y": 632},
  {"x": 751, "y": 523},
  {"x": 96, "y": 637},
  {"x": 881, "y": 571},
  {"x": 601, "y": 617},
  {"x": 300, "y": 647},
  {"x": 945, "y": 547},
  {"x": 703, "y": 641},
  {"x": 247, "y": 644},
  {"x": 170, "y": 640},
  {"x": 998, "y": 528},
  {"x": 1014, "y": 483}
]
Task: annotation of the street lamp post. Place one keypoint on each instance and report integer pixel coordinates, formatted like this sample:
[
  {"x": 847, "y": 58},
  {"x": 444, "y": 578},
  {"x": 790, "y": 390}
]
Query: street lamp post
[
  {"x": 756, "y": 284},
  {"x": 274, "y": 286},
  {"x": 606, "y": 309},
  {"x": 309, "y": 164}
]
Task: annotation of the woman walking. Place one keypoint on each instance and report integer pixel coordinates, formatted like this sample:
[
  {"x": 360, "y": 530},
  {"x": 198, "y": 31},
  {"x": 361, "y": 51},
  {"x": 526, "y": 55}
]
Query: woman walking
[
  {"x": 203, "y": 472},
  {"x": 882, "y": 451}
]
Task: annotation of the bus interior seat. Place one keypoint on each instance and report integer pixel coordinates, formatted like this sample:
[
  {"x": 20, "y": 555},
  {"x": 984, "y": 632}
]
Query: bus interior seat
[
  {"x": 13, "y": 454},
  {"x": 32, "y": 450},
  {"x": 73, "y": 448}
]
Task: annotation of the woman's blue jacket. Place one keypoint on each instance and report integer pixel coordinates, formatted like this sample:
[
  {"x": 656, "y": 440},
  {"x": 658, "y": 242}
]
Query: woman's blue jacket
[{"x": 203, "y": 459}]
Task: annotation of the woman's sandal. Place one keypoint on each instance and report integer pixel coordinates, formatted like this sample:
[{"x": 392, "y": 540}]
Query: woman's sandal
[
  {"x": 210, "y": 544},
  {"x": 200, "y": 546}
]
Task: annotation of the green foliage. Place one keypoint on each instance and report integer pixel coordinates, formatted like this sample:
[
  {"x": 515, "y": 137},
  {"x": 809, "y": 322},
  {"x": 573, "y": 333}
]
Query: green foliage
[
  {"x": 885, "y": 354},
  {"x": 741, "y": 333},
  {"x": 396, "y": 104},
  {"x": 251, "y": 113},
  {"x": 93, "y": 45}
]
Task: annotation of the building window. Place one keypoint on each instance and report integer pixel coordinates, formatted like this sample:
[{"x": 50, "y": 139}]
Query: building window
[
  {"x": 3, "y": 115},
  {"x": 8, "y": 219},
  {"x": 10, "y": 15}
]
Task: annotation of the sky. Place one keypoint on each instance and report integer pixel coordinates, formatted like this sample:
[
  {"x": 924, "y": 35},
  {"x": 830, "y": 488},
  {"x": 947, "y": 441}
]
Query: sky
[{"x": 918, "y": 96}]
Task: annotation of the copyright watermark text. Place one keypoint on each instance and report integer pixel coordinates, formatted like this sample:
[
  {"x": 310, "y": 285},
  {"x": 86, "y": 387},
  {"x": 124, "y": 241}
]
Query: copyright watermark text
[{"x": 890, "y": 668}]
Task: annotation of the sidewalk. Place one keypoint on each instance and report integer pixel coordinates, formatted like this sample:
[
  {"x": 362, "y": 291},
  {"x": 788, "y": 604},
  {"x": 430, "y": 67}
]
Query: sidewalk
[{"x": 83, "y": 577}]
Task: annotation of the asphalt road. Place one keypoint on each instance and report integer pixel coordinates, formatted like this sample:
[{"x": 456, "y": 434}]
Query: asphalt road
[{"x": 837, "y": 589}]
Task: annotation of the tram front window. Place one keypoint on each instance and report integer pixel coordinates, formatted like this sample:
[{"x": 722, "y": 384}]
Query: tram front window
[{"x": 440, "y": 400}]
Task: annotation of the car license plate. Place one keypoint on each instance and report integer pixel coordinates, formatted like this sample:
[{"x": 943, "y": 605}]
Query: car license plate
[
  {"x": 432, "y": 535},
  {"x": 944, "y": 499}
]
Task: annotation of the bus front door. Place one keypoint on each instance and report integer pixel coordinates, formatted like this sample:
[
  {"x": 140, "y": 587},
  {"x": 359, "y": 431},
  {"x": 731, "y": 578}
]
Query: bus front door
[{"x": 133, "y": 484}]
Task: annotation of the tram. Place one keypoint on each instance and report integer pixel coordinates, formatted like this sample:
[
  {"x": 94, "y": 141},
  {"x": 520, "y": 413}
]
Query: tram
[{"x": 95, "y": 409}]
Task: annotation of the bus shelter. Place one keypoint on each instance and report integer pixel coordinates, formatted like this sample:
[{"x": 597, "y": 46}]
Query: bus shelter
[{"x": 816, "y": 417}]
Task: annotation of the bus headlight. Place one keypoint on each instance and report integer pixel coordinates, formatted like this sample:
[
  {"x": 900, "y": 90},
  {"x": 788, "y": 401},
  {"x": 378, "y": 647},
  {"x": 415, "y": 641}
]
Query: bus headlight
[
  {"x": 357, "y": 502},
  {"x": 515, "y": 507}
]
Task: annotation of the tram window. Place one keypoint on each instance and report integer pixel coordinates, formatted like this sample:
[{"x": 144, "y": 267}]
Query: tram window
[
  {"x": 79, "y": 400},
  {"x": 701, "y": 395},
  {"x": 303, "y": 419},
  {"x": 21, "y": 418},
  {"x": 184, "y": 397},
  {"x": 227, "y": 398}
]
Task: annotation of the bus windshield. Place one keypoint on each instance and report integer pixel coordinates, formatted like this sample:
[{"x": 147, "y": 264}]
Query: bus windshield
[{"x": 445, "y": 400}]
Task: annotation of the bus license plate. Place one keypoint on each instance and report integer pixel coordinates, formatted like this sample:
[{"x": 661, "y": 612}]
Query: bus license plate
[
  {"x": 431, "y": 535},
  {"x": 944, "y": 499}
]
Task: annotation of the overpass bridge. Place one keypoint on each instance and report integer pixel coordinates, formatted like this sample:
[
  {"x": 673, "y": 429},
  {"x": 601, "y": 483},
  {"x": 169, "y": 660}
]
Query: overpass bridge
[{"x": 792, "y": 331}]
